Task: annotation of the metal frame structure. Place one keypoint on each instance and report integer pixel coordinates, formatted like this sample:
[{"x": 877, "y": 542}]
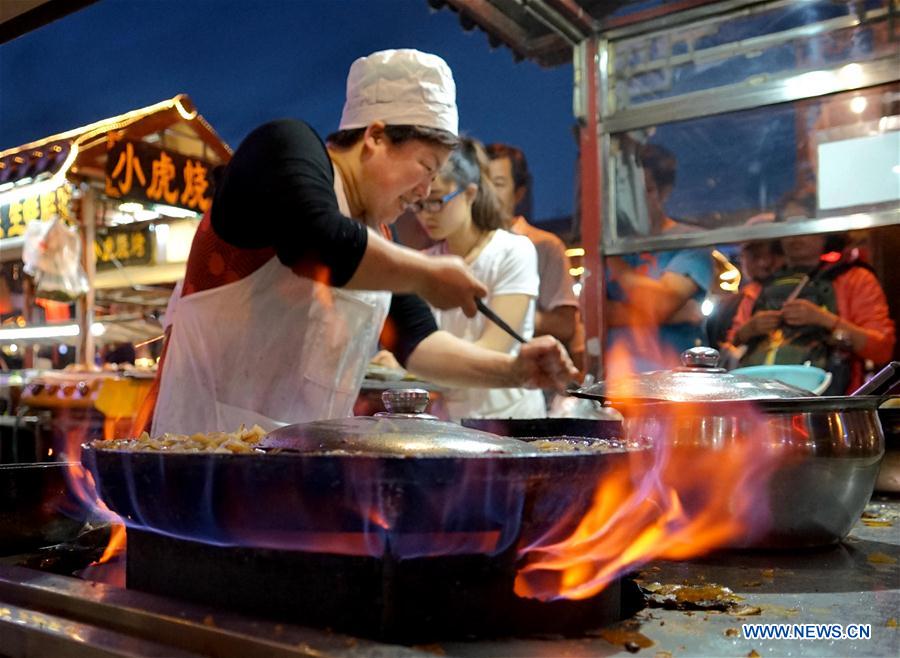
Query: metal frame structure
[
  {"x": 539, "y": 29},
  {"x": 739, "y": 96}
]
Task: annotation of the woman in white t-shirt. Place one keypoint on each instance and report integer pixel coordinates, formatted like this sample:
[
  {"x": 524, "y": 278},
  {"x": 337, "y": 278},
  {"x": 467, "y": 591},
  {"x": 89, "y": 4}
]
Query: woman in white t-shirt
[{"x": 463, "y": 214}]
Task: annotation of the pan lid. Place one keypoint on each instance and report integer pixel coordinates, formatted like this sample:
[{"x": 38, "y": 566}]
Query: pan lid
[
  {"x": 404, "y": 430},
  {"x": 699, "y": 379}
]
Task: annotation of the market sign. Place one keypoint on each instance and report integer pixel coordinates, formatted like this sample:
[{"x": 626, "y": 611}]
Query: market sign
[
  {"x": 137, "y": 170},
  {"x": 123, "y": 246},
  {"x": 32, "y": 203}
]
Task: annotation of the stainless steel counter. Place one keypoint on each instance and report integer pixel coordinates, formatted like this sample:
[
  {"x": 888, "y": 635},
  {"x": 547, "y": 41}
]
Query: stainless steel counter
[{"x": 857, "y": 582}]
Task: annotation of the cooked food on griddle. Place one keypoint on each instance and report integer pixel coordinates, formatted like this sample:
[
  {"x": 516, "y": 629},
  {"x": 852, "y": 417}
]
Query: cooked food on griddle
[
  {"x": 242, "y": 441},
  {"x": 576, "y": 444}
]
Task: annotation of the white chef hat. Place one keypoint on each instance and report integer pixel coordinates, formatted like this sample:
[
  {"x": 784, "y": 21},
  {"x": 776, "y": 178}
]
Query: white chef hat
[{"x": 401, "y": 87}]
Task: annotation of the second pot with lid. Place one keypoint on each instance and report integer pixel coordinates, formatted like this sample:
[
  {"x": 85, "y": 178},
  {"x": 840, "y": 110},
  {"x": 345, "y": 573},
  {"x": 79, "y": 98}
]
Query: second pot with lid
[{"x": 830, "y": 447}]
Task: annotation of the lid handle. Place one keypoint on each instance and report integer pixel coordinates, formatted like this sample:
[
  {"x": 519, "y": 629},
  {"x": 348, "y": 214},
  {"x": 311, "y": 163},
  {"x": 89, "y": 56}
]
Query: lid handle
[
  {"x": 405, "y": 400},
  {"x": 700, "y": 357}
]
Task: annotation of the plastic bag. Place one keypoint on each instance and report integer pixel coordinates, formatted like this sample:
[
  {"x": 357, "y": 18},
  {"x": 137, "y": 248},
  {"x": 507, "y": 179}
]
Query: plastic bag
[{"x": 52, "y": 255}]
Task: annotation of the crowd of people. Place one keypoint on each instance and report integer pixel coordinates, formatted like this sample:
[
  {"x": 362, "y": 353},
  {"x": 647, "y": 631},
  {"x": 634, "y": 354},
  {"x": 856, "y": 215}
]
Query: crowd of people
[
  {"x": 839, "y": 320},
  {"x": 815, "y": 300}
]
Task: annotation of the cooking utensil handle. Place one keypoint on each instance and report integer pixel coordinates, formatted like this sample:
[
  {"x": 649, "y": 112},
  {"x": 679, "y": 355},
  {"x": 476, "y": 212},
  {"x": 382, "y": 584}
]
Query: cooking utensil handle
[
  {"x": 883, "y": 382},
  {"x": 497, "y": 320},
  {"x": 797, "y": 289}
]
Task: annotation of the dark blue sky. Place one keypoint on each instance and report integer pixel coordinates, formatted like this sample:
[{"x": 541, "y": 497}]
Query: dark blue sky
[{"x": 245, "y": 62}]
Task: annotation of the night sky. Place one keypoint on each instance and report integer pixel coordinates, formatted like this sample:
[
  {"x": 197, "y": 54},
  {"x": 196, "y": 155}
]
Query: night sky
[{"x": 246, "y": 62}]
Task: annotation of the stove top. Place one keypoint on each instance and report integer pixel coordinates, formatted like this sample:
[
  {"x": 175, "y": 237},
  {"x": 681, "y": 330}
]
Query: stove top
[{"x": 855, "y": 582}]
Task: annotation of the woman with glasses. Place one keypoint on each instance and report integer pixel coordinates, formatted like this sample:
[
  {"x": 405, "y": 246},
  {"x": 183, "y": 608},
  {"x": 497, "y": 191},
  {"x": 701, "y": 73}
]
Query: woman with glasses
[{"x": 463, "y": 213}]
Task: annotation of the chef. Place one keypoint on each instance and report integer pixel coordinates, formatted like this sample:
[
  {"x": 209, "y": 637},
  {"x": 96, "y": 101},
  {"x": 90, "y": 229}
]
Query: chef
[{"x": 290, "y": 278}]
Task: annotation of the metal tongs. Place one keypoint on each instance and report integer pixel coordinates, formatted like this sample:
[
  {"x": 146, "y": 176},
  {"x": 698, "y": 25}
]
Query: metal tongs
[{"x": 497, "y": 320}]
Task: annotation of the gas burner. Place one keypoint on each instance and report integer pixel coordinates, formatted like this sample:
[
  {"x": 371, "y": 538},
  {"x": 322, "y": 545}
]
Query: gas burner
[{"x": 409, "y": 600}]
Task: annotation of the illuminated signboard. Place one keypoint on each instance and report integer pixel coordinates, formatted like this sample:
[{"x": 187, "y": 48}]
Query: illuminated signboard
[
  {"x": 33, "y": 204},
  {"x": 137, "y": 170},
  {"x": 123, "y": 246}
]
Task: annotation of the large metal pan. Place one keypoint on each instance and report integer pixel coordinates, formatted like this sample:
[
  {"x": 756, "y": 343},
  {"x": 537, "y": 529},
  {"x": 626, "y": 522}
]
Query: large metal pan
[
  {"x": 421, "y": 518},
  {"x": 390, "y": 478},
  {"x": 408, "y": 478},
  {"x": 836, "y": 443}
]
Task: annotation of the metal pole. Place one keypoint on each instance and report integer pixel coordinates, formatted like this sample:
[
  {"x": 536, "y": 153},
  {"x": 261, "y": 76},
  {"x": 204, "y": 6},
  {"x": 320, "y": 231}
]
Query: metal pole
[
  {"x": 593, "y": 291},
  {"x": 87, "y": 221}
]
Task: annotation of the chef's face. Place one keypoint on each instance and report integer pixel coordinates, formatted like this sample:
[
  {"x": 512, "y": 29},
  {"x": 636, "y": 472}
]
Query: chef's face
[
  {"x": 396, "y": 175},
  {"x": 447, "y": 211}
]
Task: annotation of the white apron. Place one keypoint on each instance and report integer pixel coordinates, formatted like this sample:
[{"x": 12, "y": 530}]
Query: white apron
[{"x": 273, "y": 348}]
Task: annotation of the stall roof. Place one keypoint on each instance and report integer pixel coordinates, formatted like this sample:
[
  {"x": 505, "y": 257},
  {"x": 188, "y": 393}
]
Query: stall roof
[
  {"x": 18, "y": 17},
  {"x": 83, "y": 150},
  {"x": 545, "y": 31}
]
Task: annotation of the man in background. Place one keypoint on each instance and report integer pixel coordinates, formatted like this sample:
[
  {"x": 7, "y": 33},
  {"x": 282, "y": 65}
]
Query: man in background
[
  {"x": 557, "y": 305},
  {"x": 653, "y": 299}
]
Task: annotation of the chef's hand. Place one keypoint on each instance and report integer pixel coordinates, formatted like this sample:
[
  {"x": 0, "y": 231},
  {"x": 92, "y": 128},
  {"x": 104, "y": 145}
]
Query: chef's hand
[
  {"x": 759, "y": 324},
  {"x": 802, "y": 312},
  {"x": 544, "y": 363},
  {"x": 449, "y": 283},
  {"x": 387, "y": 359}
]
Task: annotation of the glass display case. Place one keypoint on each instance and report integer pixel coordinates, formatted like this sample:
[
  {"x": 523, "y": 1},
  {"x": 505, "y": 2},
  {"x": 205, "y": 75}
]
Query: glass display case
[{"x": 751, "y": 107}]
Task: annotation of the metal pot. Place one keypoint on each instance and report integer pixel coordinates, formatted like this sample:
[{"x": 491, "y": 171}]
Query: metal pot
[
  {"x": 836, "y": 443},
  {"x": 889, "y": 475}
]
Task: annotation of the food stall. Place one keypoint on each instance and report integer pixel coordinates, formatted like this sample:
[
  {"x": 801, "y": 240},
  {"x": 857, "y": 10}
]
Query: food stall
[
  {"x": 214, "y": 563},
  {"x": 130, "y": 190}
]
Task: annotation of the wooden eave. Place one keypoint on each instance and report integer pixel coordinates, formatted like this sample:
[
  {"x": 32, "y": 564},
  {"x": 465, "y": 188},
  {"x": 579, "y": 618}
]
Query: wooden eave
[{"x": 90, "y": 141}]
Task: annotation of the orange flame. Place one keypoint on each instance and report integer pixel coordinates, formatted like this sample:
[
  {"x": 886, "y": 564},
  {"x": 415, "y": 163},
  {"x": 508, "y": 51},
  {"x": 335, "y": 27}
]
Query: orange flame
[
  {"x": 377, "y": 517},
  {"x": 116, "y": 546},
  {"x": 82, "y": 486},
  {"x": 676, "y": 502}
]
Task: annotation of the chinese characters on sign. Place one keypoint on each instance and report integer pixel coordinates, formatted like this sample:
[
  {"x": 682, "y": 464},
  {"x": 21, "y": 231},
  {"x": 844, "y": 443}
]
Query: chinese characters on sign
[
  {"x": 137, "y": 170},
  {"x": 42, "y": 206},
  {"x": 127, "y": 247}
]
